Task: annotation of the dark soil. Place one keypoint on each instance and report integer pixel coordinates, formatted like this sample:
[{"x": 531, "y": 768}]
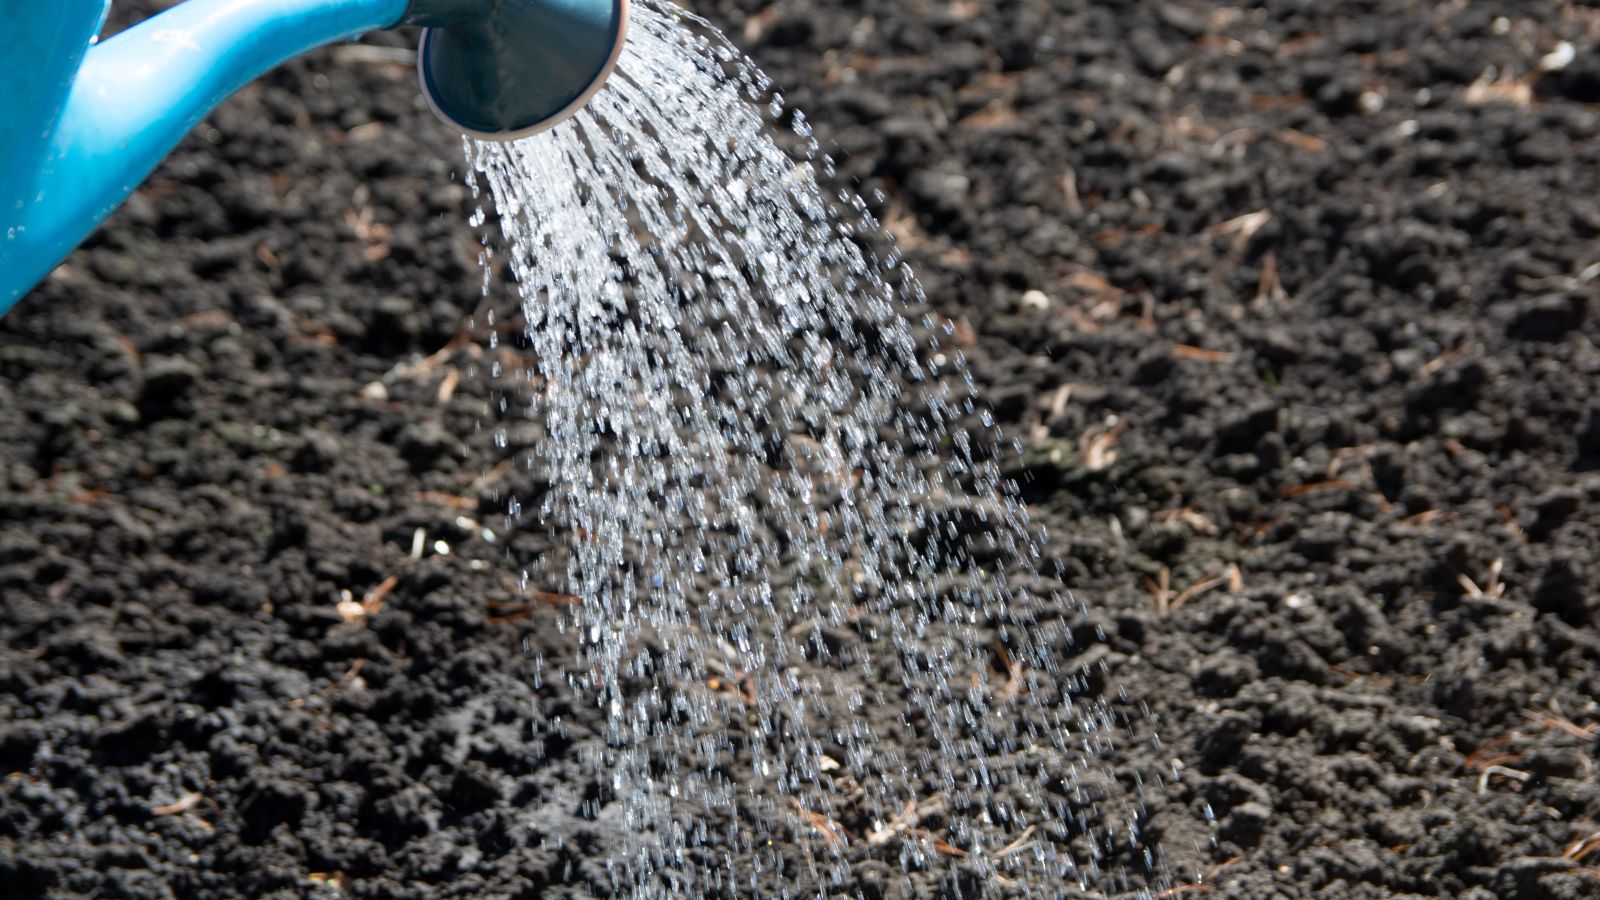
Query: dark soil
[{"x": 1321, "y": 276}]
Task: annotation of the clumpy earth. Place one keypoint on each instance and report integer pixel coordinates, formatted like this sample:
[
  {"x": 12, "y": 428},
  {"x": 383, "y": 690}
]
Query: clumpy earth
[{"x": 1291, "y": 305}]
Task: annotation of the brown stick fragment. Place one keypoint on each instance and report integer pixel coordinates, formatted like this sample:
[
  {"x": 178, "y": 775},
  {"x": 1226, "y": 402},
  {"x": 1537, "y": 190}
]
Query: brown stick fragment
[
  {"x": 1235, "y": 578},
  {"x": 1582, "y": 847},
  {"x": 1243, "y": 228},
  {"x": 1421, "y": 518},
  {"x": 1269, "y": 289},
  {"x": 1200, "y": 354},
  {"x": 1296, "y": 490},
  {"x": 1299, "y": 140},
  {"x": 832, "y": 832},
  {"x": 1194, "y": 590},
  {"x": 490, "y": 477},
  {"x": 1489, "y": 754},
  {"x": 1160, "y": 589},
  {"x": 1581, "y": 732},
  {"x": 1069, "y": 190},
  {"x": 181, "y": 805},
  {"x": 444, "y": 499},
  {"x": 945, "y": 847},
  {"x": 1516, "y": 775},
  {"x": 372, "y": 602},
  {"x": 1021, "y": 843},
  {"x": 1098, "y": 448},
  {"x": 447, "y": 387},
  {"x": 1195, "y": 887}
]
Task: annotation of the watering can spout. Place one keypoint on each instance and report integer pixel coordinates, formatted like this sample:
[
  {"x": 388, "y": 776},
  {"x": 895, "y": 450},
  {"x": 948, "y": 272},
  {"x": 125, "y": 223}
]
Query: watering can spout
[{"x": 81, "y": 123}]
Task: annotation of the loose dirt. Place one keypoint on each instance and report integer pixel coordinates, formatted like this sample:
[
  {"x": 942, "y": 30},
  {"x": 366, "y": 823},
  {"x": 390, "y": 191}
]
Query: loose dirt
[{"x": 1291, "y": 305}]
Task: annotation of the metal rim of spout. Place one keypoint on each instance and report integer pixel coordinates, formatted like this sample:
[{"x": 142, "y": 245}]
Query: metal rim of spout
[{"x": 544, "y": 120}]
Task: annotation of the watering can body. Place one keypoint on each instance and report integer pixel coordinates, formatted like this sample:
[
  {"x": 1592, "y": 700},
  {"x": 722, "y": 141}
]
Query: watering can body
[
  {"x": 83, "y": 122},
  {"x": 41, "y": 47}
]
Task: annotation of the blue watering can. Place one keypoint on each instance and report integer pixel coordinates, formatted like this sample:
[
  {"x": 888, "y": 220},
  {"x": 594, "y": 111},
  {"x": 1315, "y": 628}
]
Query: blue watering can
[{"x": 82, "y": 123}]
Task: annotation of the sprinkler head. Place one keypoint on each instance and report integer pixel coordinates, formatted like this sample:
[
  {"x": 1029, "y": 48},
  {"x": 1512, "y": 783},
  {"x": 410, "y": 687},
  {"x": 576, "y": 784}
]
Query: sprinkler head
[{"x": 505, "y": 69}]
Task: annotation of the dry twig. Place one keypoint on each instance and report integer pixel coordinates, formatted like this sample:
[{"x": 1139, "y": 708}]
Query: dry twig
[
  {"x": 1492, "y": 87},
  {"x": 1269, "y": 289},
  {"x": 1493, "y": 589},
  {"x": 1210, "y": 582},
  {"x": 1516, "y": 775},
  {"x": 1548, "y": 720},
  {"x": 1161, "y": 589},
  {"x": 1299, "y": 140},
  {"x": 1017, "y": 845},
  {"x": 1243, "y": 228},
  {"x": 1195, "y": 521},
  {"x": 1296, "y": 490},
  {"x": 371, "y": 603},
  {"x": 1098, "y": 448},
  {"x": 518, "y": 610},
  {"x": 447, "y": 386},
  {"x": 1582, "y": 847},
  {"x": 1200, "y": 354},
  {"x": 181, "y": 805},
  {"x": 831, "y": 831},
  {"x": 450, "y": 500}
]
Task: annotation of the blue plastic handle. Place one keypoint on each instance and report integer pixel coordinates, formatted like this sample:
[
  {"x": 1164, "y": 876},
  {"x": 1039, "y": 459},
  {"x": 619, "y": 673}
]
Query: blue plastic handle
[{"x": 80, "y": 151}]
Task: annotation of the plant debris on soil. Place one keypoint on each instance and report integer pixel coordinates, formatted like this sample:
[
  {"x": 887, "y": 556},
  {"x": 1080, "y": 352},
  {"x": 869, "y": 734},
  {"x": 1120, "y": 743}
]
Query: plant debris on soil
[{"x": 1291, "y": 305}]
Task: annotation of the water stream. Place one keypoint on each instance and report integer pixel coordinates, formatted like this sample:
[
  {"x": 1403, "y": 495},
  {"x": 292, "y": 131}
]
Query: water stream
[{"x": 814, "y": 615}]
